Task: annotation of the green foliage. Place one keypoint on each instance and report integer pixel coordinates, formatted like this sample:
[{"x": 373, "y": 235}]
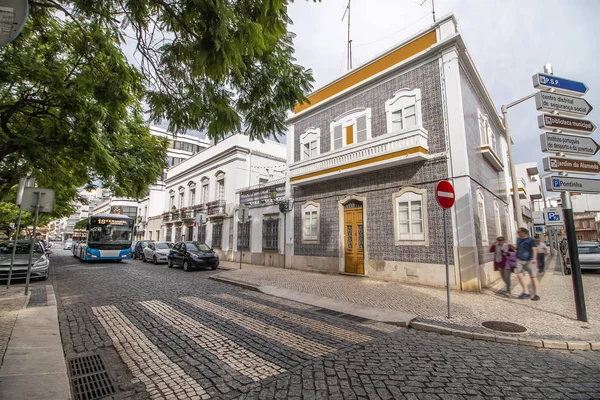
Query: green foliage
[{"x": 71, "y": 105}]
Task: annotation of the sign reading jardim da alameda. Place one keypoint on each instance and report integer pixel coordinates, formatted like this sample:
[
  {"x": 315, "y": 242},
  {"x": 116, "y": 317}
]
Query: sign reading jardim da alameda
[
  {"x": 571, "y": 165},
  {"x": 549, "y": 121},
  {"x": 569, "y": 144}
]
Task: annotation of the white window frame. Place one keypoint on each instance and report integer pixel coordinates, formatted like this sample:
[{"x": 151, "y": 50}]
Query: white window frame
[
  {"x": 410, "y": 194},
  {"x": 220, "y": 181},
  {"x": 488, "y": 137},
  {"x": 311, "y": 135},
  {"x": 311, "y": 207},
  {"x": 399, "y": 102},
  {"x": 349, "y": 119},
  {"x": 497, "y": 219},
  {"x": 171, "y": 199},
  {"x": 481, "y": 215},
  {"x": 205, "y": 195},
  {"x": 181, "y": 198}
]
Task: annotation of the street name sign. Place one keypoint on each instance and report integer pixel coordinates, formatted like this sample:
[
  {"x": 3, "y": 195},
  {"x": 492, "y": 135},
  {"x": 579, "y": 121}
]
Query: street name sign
[
  {"x": 549, "y": 121},
  {"x": 553, "y": 216},
  {"x": 571, "y": 184},
  {"x": 570, "y": 144},
  {"x": 558, "y": 164},
  {"x": 568, "y": 105},
  {"x": 561, "y": 85}
]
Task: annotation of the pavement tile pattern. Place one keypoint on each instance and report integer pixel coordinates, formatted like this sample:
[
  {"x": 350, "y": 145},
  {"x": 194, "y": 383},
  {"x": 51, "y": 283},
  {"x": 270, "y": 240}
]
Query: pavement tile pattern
[
  {"x": 179, "y": 335},
  {"x": 552, "y": 318},
  {"x": 11, "y": 301}
]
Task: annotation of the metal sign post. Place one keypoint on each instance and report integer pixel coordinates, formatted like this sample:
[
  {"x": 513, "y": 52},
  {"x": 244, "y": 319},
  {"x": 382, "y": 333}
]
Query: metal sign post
[
  {"x": 444, "y": 194},
  {"x": 35, "y": 220},
  {"x": 564, "y": 143},
  {"x": 242, "y": 217},
  {"x": 23, "y": 183}
]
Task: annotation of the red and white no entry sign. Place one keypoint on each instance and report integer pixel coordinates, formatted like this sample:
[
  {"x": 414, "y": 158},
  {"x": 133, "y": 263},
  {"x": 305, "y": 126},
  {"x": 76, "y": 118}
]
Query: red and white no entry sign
[{"x": 444, "y": 194}]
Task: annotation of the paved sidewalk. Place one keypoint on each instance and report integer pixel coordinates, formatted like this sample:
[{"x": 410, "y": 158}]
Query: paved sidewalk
[
  {"x": 552, "y": 318},
  {"x": 11, "y": 301},
  {"x": 33, "y": 366}
]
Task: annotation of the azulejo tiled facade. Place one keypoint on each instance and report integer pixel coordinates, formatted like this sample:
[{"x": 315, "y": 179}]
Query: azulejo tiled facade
[{"x": 365, "y": 156}]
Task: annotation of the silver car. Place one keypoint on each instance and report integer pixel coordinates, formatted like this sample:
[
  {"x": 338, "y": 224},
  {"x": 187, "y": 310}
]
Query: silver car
[
  {"x": 589, "y": 255},
  {"x": 68, "y": 244},
  {"x": 156, "y": 252},
  {"x": 41, "y": 263}
]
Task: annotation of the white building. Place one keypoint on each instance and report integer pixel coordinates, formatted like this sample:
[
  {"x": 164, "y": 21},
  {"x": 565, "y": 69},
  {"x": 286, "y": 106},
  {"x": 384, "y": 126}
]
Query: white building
[
  {"x": 201, "y": 200},
  {"x": 150, "y": 208},
  {"x": 530, "y": 192}
]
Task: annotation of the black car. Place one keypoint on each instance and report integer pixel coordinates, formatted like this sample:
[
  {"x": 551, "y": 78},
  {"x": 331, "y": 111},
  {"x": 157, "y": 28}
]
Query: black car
[
  {"x": 138, "y": 250},
  {"x": 192, "y": 255}
]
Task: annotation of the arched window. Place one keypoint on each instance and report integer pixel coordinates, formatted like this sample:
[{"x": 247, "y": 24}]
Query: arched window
[
  {"x": 403, "y": 111},
  {"x": 310, "y": 143},
  {"x": 351, "y": 127},
  {"x": 497, "y": 220},
  {"x": 220, "y": 193},
  {"x": 481, "y": 216},
  {"x": 410, "y": 216},
  {"x": 310, "y": 222},
  {"x": 204, "y": 182}
]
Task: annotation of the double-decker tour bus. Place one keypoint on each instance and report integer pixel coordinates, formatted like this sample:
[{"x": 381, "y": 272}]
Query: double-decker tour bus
[{"x": 108, "y": 238}]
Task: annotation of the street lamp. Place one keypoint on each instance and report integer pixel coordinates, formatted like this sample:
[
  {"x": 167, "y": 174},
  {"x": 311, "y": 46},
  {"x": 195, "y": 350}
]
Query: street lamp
[{"x": 284, "y": 207}]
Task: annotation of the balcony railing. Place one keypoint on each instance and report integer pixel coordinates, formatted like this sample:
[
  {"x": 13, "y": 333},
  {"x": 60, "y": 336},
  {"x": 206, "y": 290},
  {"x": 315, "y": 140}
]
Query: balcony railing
[
  {"x": 188, "y": 214},
  {"x": 526, "y": 212},
  {"x": 216, "y": 208},
  {"x": 199, "y": 209},
  {"x": 381, "y": 152}
]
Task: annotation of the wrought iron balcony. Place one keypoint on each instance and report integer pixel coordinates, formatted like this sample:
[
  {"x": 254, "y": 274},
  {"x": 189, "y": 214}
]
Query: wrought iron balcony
[
  {"x": 380, "y": 152},
  {"x": 216, "y": 208},
  {"x": 188, "y": 214}
]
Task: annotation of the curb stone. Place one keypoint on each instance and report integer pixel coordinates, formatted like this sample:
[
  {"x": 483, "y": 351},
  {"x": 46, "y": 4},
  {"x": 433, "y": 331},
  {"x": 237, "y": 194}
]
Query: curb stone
[
  {"x": 549, "y": 344},
  {"x": 532, "y": 342}
]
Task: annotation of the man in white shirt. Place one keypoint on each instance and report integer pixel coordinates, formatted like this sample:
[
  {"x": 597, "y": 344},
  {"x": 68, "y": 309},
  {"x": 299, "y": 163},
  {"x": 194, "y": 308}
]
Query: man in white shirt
[{"x": 542, "y": 250}]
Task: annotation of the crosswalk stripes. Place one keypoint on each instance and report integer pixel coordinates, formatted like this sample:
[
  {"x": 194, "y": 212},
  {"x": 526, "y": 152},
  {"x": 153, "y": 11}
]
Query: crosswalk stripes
[
  {"x": 232, "y": 354},
  {"x": 277, "y": 300},
  {"x": 162, "y": 377},
  {"x": 310, "y": 323},
  {"x": 295, "y": 341}
]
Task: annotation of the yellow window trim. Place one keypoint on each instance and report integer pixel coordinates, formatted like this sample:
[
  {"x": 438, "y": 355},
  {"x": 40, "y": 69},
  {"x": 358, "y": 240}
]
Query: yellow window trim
[
  {"x": 369, "y": 70},
  {"x": 349, "y": 135},
  {"x": 372, "y": 160}
]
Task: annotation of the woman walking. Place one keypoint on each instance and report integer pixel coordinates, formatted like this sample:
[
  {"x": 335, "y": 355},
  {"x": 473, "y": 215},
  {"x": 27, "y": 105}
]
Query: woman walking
[{"x": 500, "y": 249}]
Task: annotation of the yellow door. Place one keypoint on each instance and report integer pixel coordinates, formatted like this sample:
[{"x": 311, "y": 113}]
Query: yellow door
[
  {"x": 349, "y": 135},
  {"x": 354, "y": 241}
]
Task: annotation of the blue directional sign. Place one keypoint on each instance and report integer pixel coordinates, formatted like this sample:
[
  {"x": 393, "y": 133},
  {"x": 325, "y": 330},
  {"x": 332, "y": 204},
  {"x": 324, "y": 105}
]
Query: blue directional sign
[{"x": 561, "y": 85}]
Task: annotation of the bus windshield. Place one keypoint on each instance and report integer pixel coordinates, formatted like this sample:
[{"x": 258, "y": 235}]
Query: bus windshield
[{"x": 104, "y": 231}]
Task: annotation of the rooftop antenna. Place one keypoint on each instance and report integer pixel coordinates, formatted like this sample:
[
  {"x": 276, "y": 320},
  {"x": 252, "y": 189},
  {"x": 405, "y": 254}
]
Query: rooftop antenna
[
  {"x": 432, "y": 9},
  {"x": 349, "y": 58}
]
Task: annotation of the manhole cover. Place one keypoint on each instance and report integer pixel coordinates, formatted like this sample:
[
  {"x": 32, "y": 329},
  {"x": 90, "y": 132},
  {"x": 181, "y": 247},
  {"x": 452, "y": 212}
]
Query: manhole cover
[
  {"x": 89, "y": 378},
  {"x": 501, "y": 326}
]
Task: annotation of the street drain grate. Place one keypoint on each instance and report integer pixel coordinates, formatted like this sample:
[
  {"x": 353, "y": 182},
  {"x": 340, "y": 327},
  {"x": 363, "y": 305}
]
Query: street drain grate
[
  {"x": 501, "y": 326},
  {"x": 89, "y": 378},
  {"x": 341, "y": 315}
]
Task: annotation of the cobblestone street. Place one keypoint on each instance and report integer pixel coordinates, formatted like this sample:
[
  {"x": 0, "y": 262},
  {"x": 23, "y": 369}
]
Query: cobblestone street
[{"x": 165, "y": 333}]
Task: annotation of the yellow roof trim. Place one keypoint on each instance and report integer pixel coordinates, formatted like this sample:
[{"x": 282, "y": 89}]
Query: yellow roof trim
[{"x": 408, "y": 50}]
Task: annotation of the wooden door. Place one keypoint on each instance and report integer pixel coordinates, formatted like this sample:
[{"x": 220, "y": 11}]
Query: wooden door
[{"x": 354, "y": 239}]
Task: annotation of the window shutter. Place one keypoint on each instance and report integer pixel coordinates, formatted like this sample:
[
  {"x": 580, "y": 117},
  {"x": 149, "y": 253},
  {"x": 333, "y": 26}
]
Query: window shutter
[
  {"x": 361, "y": 129},
  {"x": 337, "y": 137}
]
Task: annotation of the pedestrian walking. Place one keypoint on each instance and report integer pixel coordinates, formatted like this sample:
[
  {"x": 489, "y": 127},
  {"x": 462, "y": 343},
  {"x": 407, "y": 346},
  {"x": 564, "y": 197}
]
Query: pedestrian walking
[
  {"x": 500, "y": 250},
  {"x": 509, "y": 267},
  {"x": 526, "y": 263},
  {"x": 542, "y": 250}
]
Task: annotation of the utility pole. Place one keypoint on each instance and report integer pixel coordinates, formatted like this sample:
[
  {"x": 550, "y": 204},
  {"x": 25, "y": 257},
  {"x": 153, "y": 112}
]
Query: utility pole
[{"x": 349, "y": 49}]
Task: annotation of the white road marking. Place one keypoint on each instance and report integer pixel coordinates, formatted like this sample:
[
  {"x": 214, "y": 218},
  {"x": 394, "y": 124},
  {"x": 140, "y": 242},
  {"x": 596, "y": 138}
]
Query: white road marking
[
  {"x": 446, "y": 194},
  {"x": 272, "y": 332},
  {"x": 232, "y": 354},
  {"x": 162, "y": 377},
  {"x": 310, "y": 323}
]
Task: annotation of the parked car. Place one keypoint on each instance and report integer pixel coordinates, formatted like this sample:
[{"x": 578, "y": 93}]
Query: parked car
[
  {"x": 192, "y": 255},
  {"x": 139, "y": 248},
  {"x": 68, "y": 245},
  {"x": 589, "y": 255},
  {"x": 40, "y": 268},
  {"x": 157, "y": 252}
]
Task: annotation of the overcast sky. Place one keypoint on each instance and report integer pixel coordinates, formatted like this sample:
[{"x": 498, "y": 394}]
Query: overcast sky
[{"x": 509, "y": 41}]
